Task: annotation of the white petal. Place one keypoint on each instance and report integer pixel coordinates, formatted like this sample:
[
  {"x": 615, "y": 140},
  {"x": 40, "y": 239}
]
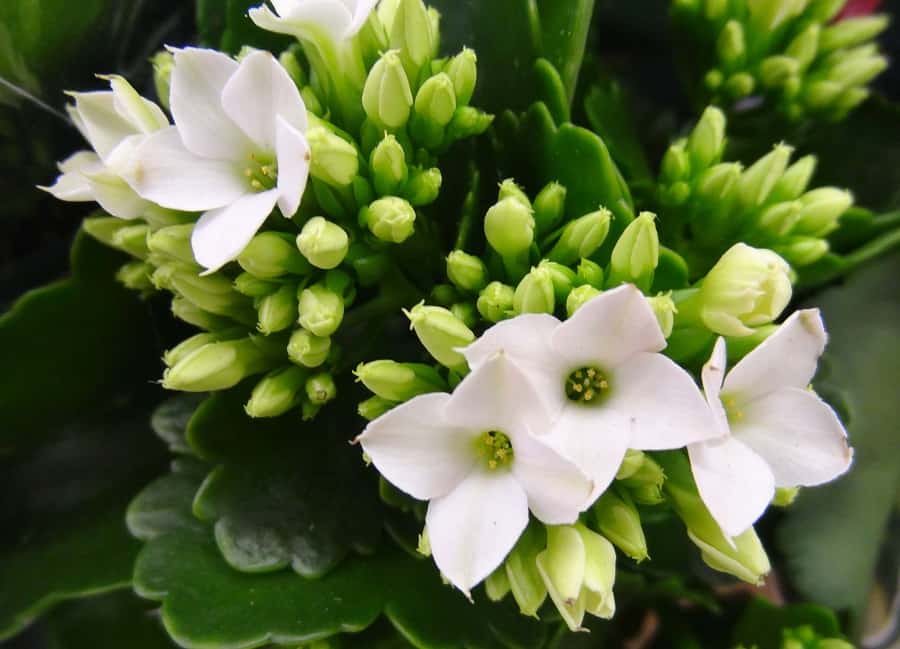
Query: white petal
[
  {"x": 257, "y": 93},
  {"x": 309, "y": 19},
  {"x": 293, "y": 166},
  {"x": 474, "y": 527},
  {"x": 713, "y": 374},
  {"x": 104, "y": 125},
  {"x": 734, "y": 482},
  {"x": 222, "y": 234},
  {"x": 198, "y": 79},
  {"x": 525, "y": 340},
  {"x": 798, "y": 434},
  {"x": 662, "y": 403},
  {"x": 165, "y": 172},
  {"x": 594, "y": 438},
  {"x": 557, "y": 489},
  {"x": 115, "y": 196},
  {"x": 787, "y": 358},
  {"x": 71, "y": 185},
  {"x": 417, "y": 450},
  {"x": 609, "y": 329},
  {"x": 360, "y": 16}
]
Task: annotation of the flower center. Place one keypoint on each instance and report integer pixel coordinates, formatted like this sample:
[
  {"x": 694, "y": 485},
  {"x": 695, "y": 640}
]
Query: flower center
[
  {"x": 495, "y": 450},
  {"x": 587, "y": 385},
  {"x": 261, "y": 171},
  {"x": 731, "y": 409}
]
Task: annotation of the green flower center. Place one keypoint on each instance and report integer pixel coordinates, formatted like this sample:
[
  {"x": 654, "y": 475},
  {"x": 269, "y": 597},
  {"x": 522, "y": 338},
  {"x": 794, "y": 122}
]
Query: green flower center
[
  {"x": 494, "y": 449},
  {"x": 261, "y": 171},
  {"x": 733, "y": 412},
  {"x": 587, "y": 385}
]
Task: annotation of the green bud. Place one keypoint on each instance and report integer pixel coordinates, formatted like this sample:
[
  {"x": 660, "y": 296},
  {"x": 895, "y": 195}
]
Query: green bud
[
  {"x": 824, "y": 11},
  {"x": 467, "y": 272},
  {"x": 636, "y": 254},
  {"x": 599, "y": 574},
  {"x": 852, "y": 98},
  {"x": 468, "y": 122},
  {"x": 496, "y": 586},
  {"x": 740, "y": 85},
  {"x": 247, "y": 284},
  {"x": 423, "y": 187},
  {"x": 270, "y": 255},
  {"x": 133, "y": 240},
  {"x": 821, "y": 94},
  {"x": 535, "y": 293},
  {"x": 731, "y": 45},
  {"x": 323, "y": 243},
  {"x": 802, "y": 251},
  {"x": 370, "y": 266},
  {"x": 278, "y": 392},
  {"x": 851, "y": 32},
  {"x": 320, "y": 388},
  {"x": 277, "y": 311},
  {"x": 136, "y": 277},
  {"x": 333, "y": 160},
  {"x": 321, "y": 310},
  {"x": 581, "y": 237},
  {"x": 549, "y": 207},
  {"x": 793, "y": 183},
  {"x": 374, "y": 407},
  {"x": 821, "y": 209},
  {"x": 716, "y": 184},
  {"x": 387, "y": 96},
  {"x": 399, "y": 381},
  {"x": 579, "y": 296},
  {"x": 713, "y": 80},
  {"x": 388, "y": 163},
  {"x": 715, "y": 9},
  {"x": 391, "y": 219},
  {"x": 630, "y": 464},
  {"x": 834, "y": 643},
  {"x": 163, "y": 64},
  {"x": 590, "y": 272},
  {"x": 291, "y": 65},
  {"x": 217, "y": 366},
  {"x": 436, "y": 101},
  {"x": 463, "y": 72},
  {"x": 104, "y": 228},
  {"x": 778, "y": 219},
  {"x": 805, "y": 45},
  {"x": 525, "y": 581},
  {"x": 342, "y": 283},
  {"x": 618, "y": 520},
  {"x": 189, "y": 312},
  {"x": 646, "y": 482},
  {"x": 509, "y": 227},
  {"x": 775, "y": 71},
  {"x": 307, "y": 349},
  {"x": 412, "y": 35},
  {"x": 434, "y": 17},
  {"x": 509, "y": 189},
  {"x": 173, "y": 241},
  {"x": 664, "y": 309},
  {"x": 441, "y": 333},
  {"x": 495, "y": 302},
  {"x": 676, "y": 163},
  {"x": 212, "y": 293},
  {"x": 747, "y": 287},
  {"x": 707, "y": 140},
  {"x": 444, "y": 295},
  {"x": 858, "y": 71},
  {"x": 466, "y": 313},
  {"x": 563, "y": 278},
  {"x": 312, "y": 101},
  {"x": 757, "y": 182},
  {"x": 187, "y": 346},
  {"x": 561, "y": 567},
  {"x": 785, "y": 496}
]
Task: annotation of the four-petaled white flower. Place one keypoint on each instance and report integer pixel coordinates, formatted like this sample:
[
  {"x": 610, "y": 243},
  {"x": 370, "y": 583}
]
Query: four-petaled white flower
[
  {"x": 114, "y": 123},
  {"x": 474, "y": 456},
  {"x": 773, "y": 430},
  {"x": 338, "y": 20},
  {"x": 600, "y": 376},
  {"x": 237, "y": 149}
]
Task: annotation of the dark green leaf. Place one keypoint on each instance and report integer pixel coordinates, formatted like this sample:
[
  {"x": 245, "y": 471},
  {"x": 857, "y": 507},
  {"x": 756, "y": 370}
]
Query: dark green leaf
[
  {"x": 224, "y": 25},
  {"x": 564, "y": 30},
  {"x": 170, "y": 420},
  {"x": 763, "y": 623}
]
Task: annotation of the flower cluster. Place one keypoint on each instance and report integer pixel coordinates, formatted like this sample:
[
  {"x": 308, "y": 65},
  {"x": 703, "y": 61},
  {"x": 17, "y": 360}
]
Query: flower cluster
[{"x": 806, "y": 57}]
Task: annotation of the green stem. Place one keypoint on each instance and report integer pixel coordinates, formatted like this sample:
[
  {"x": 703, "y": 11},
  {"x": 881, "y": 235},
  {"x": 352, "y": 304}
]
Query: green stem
[{"x": 871, "y": 250}]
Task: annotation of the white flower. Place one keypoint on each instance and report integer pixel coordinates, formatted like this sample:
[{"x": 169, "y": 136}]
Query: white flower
[
  {"x": 237, "y": 149},
  {"x": 601, "y": 378},
  {"x": 774, "y": 431},
  {"x": 338, "y": 20},
  {"x": 473, "y": 455},
  {"x": 114, "y": 123}
]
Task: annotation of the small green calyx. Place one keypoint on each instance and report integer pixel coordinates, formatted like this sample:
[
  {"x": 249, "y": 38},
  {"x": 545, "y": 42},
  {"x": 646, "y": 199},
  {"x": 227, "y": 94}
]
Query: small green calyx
[
  {"x": 495, "y": 450},
  {"x": 261, "y": 171},
  {"x": 586, "y": 385}
]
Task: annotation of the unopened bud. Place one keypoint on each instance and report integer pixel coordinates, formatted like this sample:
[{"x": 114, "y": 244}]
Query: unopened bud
[
  {"x": 676, "y": 163},
  {"x": 740, "y": 85},
  {"x": 821, "y": 209},
  {"x": 495, "y": 302},
  {"x": 217, "y": 366},
  {"x": 463, "y": 72},
  {"x": 321, "y": 310},
  {"x": 851, "y": 32},
  {"x": 333, "y": 160},
  {"x": 793, "y": 182},
  {"x": 247, "y": 284},
  {"x": 212, "y": 293},
  {"x": 778, "y": 219},
  {"x": 103, "y": 228},
  {"x": 468, "y": 122},
  {"x": 270, "y": 255},
  {"x": 307, "y": 349},
  {"x": 535, "y": 293},
  {"x": 188, "y": 345},
  {"x": 757, "y": 181},
  {"x": 563, "y": 278},
  {"x": 423, "y": 187},
  {"x": 561, "y": 566},
  {"x": 412, "y": 34},
  {"x": 618, "y": 520},
  {"x": 399, "y": 381},
  {"x": 636, "y": 253},
  {"x": 579, "y": 296},
  {"x": 664, "y": 309},
  {"x": 444, "y": 295},
  {"x": 509, "y": 227},
  {"x": 290, "y": 63},
  {"x": 549, "y": 207},
  {"x": 858, "y": 71},
  {"x": 387, "y": 96},
  {"x": 189, "y": 312},
  {"x": 133, "y": 240},
  {"x": 388, "y": 163},
  {"x": 323, "y": 243},
  {"x": 441, "y": 333},
  {"x": 320, "y": 388},
  {"x": 136, "y": 277},
  {"x": 278, "y": 392},
  {"x": 630, "y": 464},
  {"x": 590, "y": 272},
  {"x": 390, "y": 219},
  {"x": 707, "y": 140},
  {"x": 374, "y": 407},
  {"x": 436, "y": 101},
  {"x": 717, "y": 184},
  {"x": 775, "y": 71},
  {"x": 802, "y": 251},
  {"x": 509, "y": 189},
  {"x": 731, "y": 45},
  {"x": 467, "y": 272},
  {"x": 582, "y": 237},
  {"x": 163, "y": 64},
  {"x": 525, "y": 581},
  {"x": 466, "y": 313},
  {"x": 496, "y": 586},
  {"x": 173, "y": 241},
  {"x": 805, "y": 45},
  {"x": 646, "y": 482},
  {"x": 277, "y": 311}
]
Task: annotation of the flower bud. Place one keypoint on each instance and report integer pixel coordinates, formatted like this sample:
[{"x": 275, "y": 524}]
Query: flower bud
[
  {"x": 646, "y": 482},
  {"x": 370, "y": 266},
  {"x": 664, "y": 309},
  {"x": 599, "y": 574},
  {"x": 858, "y": 71},
  {"x": 747, "y": 287},
  {"x": 163, "y": 64},
  {"x": 270, "y": 255},
  {"x": 399, "y": 381},
  {"x": 535, "y": 293},
  {"x": 436, "y": 101},
  {"x": 341, "y": 283},
  {"x": 740, "y": 85},
  {"x": 133, "y": 240},
  {"x": 590, "y": 272},
  {"x": 563, "y": 278},
  {"x": 323, "y": 243},
  {"x": 579, "y": 296},
  {"x": 195, "y": 342},
  {"x": 758, "y": 180},
  {"x": 441, "y": 333},
  {"x": 561, "y": 567},
  {"x": 374, "y": 407},
  {"x": 636, "y": 254},
  {"x": 212, "y": 293},
  {"x": 707, "y": 140},
  {"x": 467, "y": 272},
  {"x": 775, "y": 71},
  {"x": 805, "y": 45},
  {"x": 819, "y": 95},
  {"x": 549, "y": 207},
  {"x": 173, "y": 241},
  {"x": 509, "y": 227},
  {"x": 388, "y": 163},
  {"x": 423, "y": 187},
  {"x": 466, "y": 313},
  {"x": 468, "y": 122},
  {"x": 333, "y": 160},
  {"x": 509, "y": 189},
  {"x": 495, "y": 302},
  {"x": 189, "y": 312},
  {"x": 730, "y": 45},
  {"x": 320, "y": 388},
  {"x": 136, "y": 277},
  {"x": 802, "y": 251},
  {"x": 309, "y": 410},
  {"x": 290, "y": 63},
  {"x": 793, "y": 183},
  {"x": 581, "y": 237},
  {"x": 618, "y": 520},
  {"x": 217, "y": 366},
  {"x": 277, "y": 311},
  {"x": 851, "y": 32},
  {"x": 307, "y": 349},
  {"x": 103, "y": 228},
  {"x": 630, "y": 464},
  {"x": 387, "y": 96},
  {"x": 676, "y": 163},
  {"x": 496, "y": 586},
  {"x": 463, "y": 72},
  {"x": 444, "y": 295},
  {"x": 717, "y": 183},
  {"x": 247, "y": 284},
  {"x": 525, "y": 581},
  {"x": 391, "y": 219},
  {"x": 820, "y": 210},
  {"x": 412, "y": 34},
  {"x": 321, "y": 310},
  {"x": 278, "y": 392}
]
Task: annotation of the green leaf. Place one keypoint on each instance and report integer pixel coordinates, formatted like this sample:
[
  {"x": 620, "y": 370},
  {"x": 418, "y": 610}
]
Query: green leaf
[
  {"x": 224, "y": 25},
  {"x": 206, "y": 604},
  {"x": 78, "y": 343},
  {"x": 763, "y": 623},
  {"x": 564, "y": 30},
  {"x": 170, "y": 420},
  {"x": 847, "y": 518}
]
